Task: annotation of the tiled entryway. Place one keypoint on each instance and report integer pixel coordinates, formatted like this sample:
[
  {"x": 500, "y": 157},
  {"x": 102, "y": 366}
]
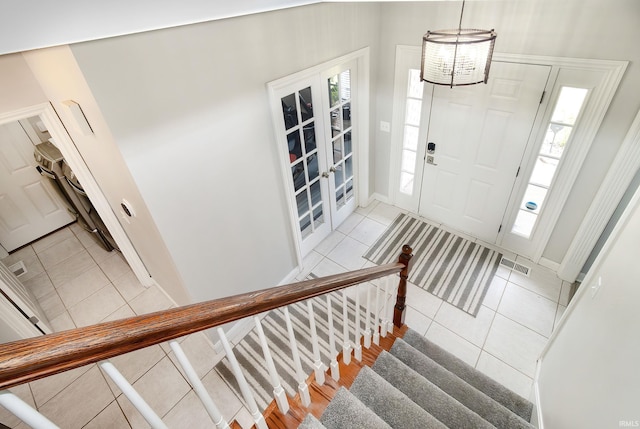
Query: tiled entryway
[{"x": 90, "y": 285}]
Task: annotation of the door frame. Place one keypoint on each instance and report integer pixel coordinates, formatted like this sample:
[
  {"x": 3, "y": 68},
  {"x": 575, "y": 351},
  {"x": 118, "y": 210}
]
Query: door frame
[
  {"x": 360, "y": 137},
  {"x": 593, "y": 116},
  {"x": 70, "y": 152}
]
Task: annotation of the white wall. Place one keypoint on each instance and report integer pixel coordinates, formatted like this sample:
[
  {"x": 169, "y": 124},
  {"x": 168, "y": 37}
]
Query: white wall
[
  {"x": 57, "y": 74},
  {"x": 189, "y": 112},
  {"x": 589, "y": 375},
  {"x": 18, "y": 87},
  {"x": 570, "y": 28}
]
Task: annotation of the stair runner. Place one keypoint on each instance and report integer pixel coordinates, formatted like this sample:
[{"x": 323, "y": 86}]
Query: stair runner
[{"x": 418, "y": 384}]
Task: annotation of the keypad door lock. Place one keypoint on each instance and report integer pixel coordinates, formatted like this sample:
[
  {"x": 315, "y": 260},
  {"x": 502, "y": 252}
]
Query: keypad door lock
[{"x": 431, "y": 148}]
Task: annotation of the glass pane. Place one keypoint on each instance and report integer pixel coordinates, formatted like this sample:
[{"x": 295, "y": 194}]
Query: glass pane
[
  {"x": 339, "y": 175},
  {"x": 412, "y": 117},
  {"x": 318, "y": 216},
  {"x": 289, "y": 111},
  {"x": 297, "y": 171},
  {"x": 345, "y": 86},
  {"x": 336, "y": 125},
  {"x": 316, "y": 195},
  {"x": 295, "y": 148},
  {"x": 410, "y": 140},
  {"x": 340, "y": 197},
  {"x": 543, "y": 171},
  {"x": 406, "y": 183},
  {"x": 334, "y": 96},
  {"x": 349, "y": 190},
  {"x": 568, "y": 105},
  {"x": 555, "y": 140},
  {"x": 533, "y": 198},
  {"x": 346, "y": 115},
  {"x": 305, "y": 226},
  {"x": 309, "y": 137},
  {"x": 306, "y": 105},
  {"x": 524, "y": 223},
  {"x": 303, "y": 203},
  {"x": 348, "y": 163},
  {"x": 347, "y": 143},
  {"x": 408, "y": 161},
  {"x": 416, "y": 86},
  {"x": 312, "y": 163},
  {"x": 337, "y": 150}
]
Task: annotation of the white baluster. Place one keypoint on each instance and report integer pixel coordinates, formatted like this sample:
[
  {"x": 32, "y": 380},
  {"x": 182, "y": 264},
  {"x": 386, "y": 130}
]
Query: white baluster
[
  {"x": 367, "y": 329},
  {"x": 141, "y": 405},
  {"x": 303, "y": 389},
  {"x": 333, "y": 363},
  {"x": 278, "y": 392},
  {"x": 318, "y": 367},
  {"x": 252, "y": 407},
  {"x": 385, "y": 313},
  {"x": 346, "y": 345},
  {"x": 357, "y": 349},
  {"x": 24, "y": 411},
  {"x": 376, "y": 320},
  {"x": 198, "y": 387}
]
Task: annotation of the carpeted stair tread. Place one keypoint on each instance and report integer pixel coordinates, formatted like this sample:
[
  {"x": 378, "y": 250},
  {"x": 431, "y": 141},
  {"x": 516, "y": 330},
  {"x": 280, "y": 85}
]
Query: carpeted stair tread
[
  {"x": 390, "y": 404},
  {"x": 345, "y": 411},
  {"x": 487, "y": 408},
  {"x": 311, "y": 422},
  {"x": 477, "y": 379},
  {"x": 427, "y": 395}
]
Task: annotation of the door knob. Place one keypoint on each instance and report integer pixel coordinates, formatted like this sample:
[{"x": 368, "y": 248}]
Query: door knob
[
  {"x": 332, "y": 169},
  {"x": 325, "y": 175}
]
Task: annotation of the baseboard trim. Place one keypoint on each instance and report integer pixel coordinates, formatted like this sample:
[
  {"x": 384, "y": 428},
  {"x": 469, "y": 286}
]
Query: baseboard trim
[{"x": 548, "y": 263}]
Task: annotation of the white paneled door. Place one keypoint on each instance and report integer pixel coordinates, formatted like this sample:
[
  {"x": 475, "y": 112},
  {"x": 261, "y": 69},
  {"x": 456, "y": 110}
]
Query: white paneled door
[
  {"x": 479, "y": 135},
  {"x": 30, "y": 207},
  {"x": 316, "y": 129}
]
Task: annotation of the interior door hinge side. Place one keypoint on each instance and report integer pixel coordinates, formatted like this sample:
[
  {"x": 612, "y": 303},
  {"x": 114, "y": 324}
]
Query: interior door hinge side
[
  {"x": 518, "y": 172},
  {"x": 542, "y": 96},
  {"x": 500, "y": 228}
]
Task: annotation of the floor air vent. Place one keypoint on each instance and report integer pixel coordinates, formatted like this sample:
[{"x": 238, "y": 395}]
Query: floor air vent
[
  {"x": 514, "y": 266},
  {"x": 18, "y": 269}
]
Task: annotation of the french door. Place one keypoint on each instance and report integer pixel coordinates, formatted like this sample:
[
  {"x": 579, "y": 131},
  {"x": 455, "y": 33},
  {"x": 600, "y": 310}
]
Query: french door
[{"x": 316, "y": 127}]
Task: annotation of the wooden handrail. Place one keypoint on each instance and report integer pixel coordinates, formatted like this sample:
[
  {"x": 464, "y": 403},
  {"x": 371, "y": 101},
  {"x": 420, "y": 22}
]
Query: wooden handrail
[{"x": 27, "y": 360}]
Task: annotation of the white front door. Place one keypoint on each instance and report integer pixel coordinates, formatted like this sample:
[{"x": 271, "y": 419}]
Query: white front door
[
  {"x": 480, "y": 133},
  {"x": 30, "y": 206},
  {"x": 316, "y": 129}
]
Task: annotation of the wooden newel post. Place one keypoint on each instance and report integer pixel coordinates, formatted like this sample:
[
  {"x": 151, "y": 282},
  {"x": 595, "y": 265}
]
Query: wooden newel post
[{"x": 399, "y": 309}]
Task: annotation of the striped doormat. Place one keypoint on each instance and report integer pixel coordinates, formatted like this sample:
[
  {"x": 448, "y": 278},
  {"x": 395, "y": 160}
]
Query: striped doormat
[{"x": 446, "y": 265}]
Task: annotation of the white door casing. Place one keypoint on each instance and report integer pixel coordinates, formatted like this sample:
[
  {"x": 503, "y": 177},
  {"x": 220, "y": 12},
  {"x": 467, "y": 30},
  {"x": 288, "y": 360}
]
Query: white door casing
[
  {"x": 30, "y": 205},
  {"x": 332, "y": 141},
  {"x": 480, "y": 133}
]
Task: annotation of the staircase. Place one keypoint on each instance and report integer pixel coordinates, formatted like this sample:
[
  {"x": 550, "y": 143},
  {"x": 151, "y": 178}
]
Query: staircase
[{"x": 408, "y": 382}]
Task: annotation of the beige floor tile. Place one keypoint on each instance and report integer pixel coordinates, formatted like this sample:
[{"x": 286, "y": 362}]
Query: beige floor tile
[
  {"x": 80, "y": 402},
  {"x": 366, "y": 210},
  {"x": 60, "y": 251},
  {"x": 71, "y": 268},
  {"x": 221, "y": 395},
  {"x": 115, "y": 266},
  {"x": 541, "y": 280},
  {"x": 46, "y": 388},
  {"x": 129, "y": 286},
  {"x": 199, "y": 350},
  {"x": 384, "y": 213},
  {"x": 244, "y": 419},
  {"x": 453, "y": 343},
  {"x": 494, "y": 293},
  {"x": 110, "y": 417},
  {"x": 52, "y": 305},
  {"x": 349, "y": 223},
  {"x": 96, "y": 307},
  {"x": 505, "y": 375},
  {"x": 472, "y": 329},
  {"x": 82, "y": 286},
  {"x": 62, "y": 323},
  {"x": 515, "y": 345},
  {"x": 19, "y": 255},
  {"x": 529, "y": 309},
  {"x": 559, "y": 313},
  {"x": 423, "y": 301},
  {"x": 49, "y": 240},
  {"x": 149, "y": 301},
  {"x": 417, "y": 321},
  {"x": 327, "y": 267},
  {"x": 367, "y": 231},
  {"x": 40, "y": 285},
  {"x": 121, "y": 313},
  {"x": 134, "y": 365},
  {"x": 329, "y": 243},
  {"x": 33, "y": 266},
  {"x": 189, "y": 413},
  {"x": 99, "y": 253},
  {"x": 162, "y": 387},
  {"x": 348, "y": 253}
]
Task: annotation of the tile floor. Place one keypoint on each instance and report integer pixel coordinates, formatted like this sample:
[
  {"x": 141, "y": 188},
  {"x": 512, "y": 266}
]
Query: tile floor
[{"x": 77, "y": 283}]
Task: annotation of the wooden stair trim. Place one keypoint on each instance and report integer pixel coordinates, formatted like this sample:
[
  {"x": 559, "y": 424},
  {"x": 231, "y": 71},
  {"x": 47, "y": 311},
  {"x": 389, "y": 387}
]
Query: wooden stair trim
[{"x": 321, "y": 395}]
